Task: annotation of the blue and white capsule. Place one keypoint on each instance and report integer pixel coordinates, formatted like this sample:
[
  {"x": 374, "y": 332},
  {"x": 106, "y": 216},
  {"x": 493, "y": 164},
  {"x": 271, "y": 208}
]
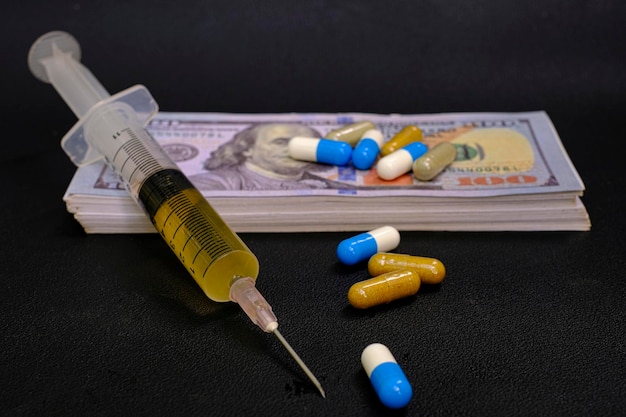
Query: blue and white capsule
[
  {"x": 367, "y": 149},
  {"x": 324, "y": 151},
  {"x": 365, "y": 245},
  {"x": 401, "y": 161},
  {"x": 387, "y": 378}
]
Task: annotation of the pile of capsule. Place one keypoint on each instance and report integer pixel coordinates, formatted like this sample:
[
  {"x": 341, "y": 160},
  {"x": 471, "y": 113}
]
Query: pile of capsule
[
  {"x": 362, "y": 144},
  {"x": 394, "y": 276}
]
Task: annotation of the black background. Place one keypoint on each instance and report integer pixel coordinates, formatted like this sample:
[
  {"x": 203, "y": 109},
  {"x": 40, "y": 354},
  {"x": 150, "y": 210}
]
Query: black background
[{"x": 524, "y": 324}]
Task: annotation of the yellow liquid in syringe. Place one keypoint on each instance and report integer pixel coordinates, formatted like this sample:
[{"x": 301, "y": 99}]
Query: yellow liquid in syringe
[{"x": 212, "y": 253}]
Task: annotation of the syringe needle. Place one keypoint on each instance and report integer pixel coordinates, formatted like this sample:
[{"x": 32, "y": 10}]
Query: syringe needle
[
  {"x": 300, "y": 362},
  {"x": 243, "y": 292}
]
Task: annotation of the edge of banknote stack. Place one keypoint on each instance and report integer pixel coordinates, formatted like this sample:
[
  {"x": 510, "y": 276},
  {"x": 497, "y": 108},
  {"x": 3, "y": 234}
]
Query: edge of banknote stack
[{"x": 513, "y": 175}]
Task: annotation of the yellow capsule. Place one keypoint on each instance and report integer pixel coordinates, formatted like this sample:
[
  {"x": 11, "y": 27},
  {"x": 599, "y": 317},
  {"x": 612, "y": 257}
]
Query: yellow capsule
[
  {"x": 429, "y": 165},
  {"x": 384, "y": 288},
  {"x": 430, "y": 270},
  {"x": 351, "y": 133},
  {"x": 407, "y": 135}
]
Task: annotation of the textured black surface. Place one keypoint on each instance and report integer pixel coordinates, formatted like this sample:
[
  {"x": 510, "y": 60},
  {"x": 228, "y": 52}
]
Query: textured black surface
[{"x": 524, "y": 324}]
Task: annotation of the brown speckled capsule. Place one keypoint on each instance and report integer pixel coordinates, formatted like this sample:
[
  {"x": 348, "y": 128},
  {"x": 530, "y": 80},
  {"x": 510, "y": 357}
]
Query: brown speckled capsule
[
  {"x": 430, "y": 270},
  {"x": 407, "y": 135},
  {"x": 384, "y": 288}
]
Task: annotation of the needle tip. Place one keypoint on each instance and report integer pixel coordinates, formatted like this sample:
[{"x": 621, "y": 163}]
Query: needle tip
[{"x": 300, "y": 362}]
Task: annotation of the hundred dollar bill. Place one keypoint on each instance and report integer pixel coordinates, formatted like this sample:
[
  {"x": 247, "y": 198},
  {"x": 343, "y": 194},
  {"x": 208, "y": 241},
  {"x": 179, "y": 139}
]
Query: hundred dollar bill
[
  {"x": 511, "y": 172},
  {"x": 245, "y": 155}
]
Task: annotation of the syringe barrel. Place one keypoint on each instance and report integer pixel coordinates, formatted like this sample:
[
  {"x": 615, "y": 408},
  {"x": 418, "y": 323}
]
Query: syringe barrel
[
  {"x": 114, "y": 131},
  {"x": 212, "y": 253}
]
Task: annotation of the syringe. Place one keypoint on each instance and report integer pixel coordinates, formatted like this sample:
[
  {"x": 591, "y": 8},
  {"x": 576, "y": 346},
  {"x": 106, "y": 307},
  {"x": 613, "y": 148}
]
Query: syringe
[{"x": 112, "y": 127}]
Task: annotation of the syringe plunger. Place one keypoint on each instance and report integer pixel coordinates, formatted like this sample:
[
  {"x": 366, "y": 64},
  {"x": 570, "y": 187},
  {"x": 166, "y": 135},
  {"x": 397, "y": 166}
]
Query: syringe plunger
[{"x": 55, "y": 58}]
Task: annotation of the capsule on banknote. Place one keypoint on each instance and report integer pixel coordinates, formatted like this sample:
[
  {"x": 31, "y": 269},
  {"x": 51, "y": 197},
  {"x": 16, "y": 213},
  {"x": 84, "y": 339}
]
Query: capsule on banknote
[
  {"x": 350, "y": 133},
  {"x": 429, "y": 165},
  {"x": 407, "y": 135}
]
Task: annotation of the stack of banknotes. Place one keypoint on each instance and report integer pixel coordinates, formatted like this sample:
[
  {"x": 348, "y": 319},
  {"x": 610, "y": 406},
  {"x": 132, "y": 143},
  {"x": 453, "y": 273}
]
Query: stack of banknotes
[{"x": 511, "y": 173}]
